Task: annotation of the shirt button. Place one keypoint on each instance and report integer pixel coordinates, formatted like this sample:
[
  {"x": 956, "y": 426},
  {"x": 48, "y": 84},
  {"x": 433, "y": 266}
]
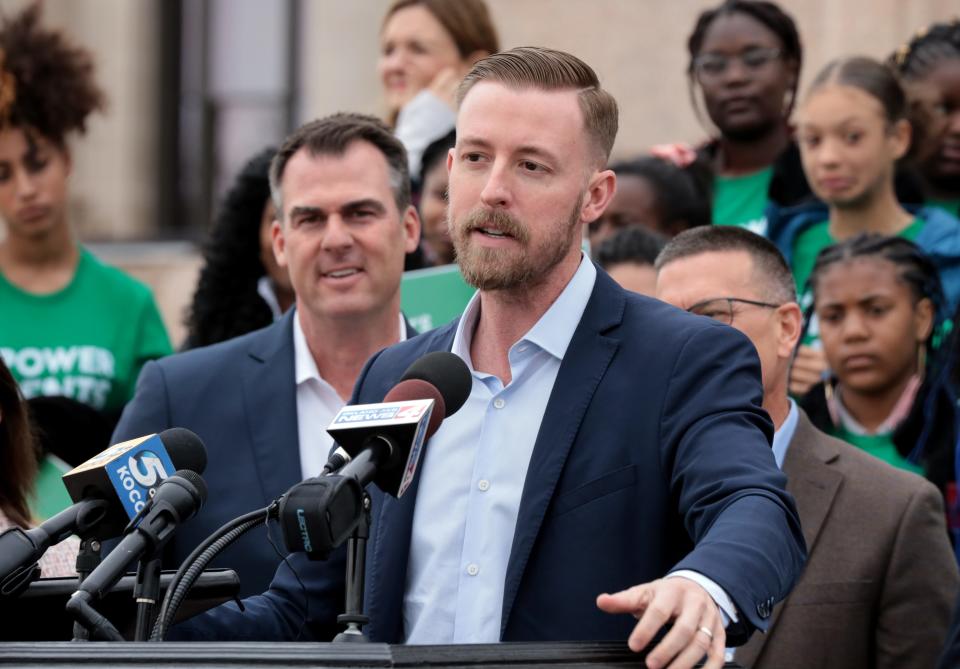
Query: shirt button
[
  {"x": 484, "y": 485},
  {"x": 473, "y": 569},
  {"x": 499, "y": 403},
  {"x": 522, "y": 347}
]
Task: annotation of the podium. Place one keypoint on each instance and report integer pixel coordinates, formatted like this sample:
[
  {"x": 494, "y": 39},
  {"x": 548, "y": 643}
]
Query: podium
[{"x": 265, "y": 655}]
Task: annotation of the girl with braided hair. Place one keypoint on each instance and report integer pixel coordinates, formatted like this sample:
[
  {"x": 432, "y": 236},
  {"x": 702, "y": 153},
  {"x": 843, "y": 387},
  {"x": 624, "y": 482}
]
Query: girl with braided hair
[
  {"x": 71, "y": 326},
  {"x": 930, "y": 64},
  {"x": 879, "y": 301}
]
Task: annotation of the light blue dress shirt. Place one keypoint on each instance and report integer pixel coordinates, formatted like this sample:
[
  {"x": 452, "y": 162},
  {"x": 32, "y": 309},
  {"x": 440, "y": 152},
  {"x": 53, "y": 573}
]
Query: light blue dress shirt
[
  {"x": 472, "y": 478},
  {"x": 784, "y": 435}
]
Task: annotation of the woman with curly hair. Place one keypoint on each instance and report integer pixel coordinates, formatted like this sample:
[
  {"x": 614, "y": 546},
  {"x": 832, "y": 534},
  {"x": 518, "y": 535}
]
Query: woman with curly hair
[
  {"x": 241, "y": 286},
  {"x": 72, "y": 326}
]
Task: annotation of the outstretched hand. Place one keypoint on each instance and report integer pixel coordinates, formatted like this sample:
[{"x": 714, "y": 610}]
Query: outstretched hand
[{"x": 697, "y": 626}]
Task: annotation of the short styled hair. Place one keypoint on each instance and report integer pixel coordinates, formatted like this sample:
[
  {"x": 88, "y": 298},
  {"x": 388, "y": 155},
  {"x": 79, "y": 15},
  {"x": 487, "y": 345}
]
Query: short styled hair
[
  {"x": 774, "y": 273},
  {"x": 332, "y": 136},
  {"x": 551, "y": 70}
]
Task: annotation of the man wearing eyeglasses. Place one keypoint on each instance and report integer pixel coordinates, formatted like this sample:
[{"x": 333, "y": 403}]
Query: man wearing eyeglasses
[{"x": 879, "y": 559}]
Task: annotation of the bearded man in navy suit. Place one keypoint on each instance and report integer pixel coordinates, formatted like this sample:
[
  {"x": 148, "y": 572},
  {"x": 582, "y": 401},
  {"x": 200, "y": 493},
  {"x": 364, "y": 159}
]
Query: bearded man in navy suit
[{"x": 594, "y": 452}]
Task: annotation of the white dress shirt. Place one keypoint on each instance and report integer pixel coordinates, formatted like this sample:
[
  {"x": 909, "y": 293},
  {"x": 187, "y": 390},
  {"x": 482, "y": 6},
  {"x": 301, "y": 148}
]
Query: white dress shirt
[{"x": 317, "y": 403}]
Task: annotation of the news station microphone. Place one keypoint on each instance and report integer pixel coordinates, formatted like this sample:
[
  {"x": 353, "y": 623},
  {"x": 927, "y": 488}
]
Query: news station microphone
[
  {"x": 128, "y": 474},
  {"x": 446, "y": 380},
  {"x": 109, "y": 490},
  {"x": 383, "y": 442},
  {"x": 177, "y": 499}
]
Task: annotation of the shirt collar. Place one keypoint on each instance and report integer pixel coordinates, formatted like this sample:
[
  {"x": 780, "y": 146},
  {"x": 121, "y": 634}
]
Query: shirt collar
[
  {"x": 553, "y": 331},
  {"x": 783, "y": 436},
  {"x": 839, "y": 413},
  {"x": 305, "y": 367}
]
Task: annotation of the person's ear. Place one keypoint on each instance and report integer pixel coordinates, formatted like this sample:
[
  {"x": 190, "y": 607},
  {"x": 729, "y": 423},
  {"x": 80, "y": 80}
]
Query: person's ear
[
  {"x": 411, "y": 229},
  {"x": 924, "y": 316},
  {"x": 789, "y": 328},
  {"x": 600, "y": 191},
  {"x": 900, "y": 135},
  {"x": 279, "y": 243}
]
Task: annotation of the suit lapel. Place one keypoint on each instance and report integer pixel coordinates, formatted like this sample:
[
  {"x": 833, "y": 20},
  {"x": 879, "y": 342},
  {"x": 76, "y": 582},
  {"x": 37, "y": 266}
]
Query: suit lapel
[
  {"x": 389, "y": 548},
  {"x": 583, "y": 366},
  {"x": 814, "y": 485},
  {"x": 270, "y": 398}
]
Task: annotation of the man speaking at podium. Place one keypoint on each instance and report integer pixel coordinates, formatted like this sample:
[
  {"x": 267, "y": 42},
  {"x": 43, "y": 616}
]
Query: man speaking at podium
[{"x": 593, "y": 454}]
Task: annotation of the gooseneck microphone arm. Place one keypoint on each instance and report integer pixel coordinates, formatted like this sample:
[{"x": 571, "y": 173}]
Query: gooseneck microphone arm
[{"x": 191, "y": 568}]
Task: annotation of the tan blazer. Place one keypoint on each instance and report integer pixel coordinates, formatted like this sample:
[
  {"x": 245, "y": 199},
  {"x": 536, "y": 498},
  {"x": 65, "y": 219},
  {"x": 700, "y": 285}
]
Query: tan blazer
[{"x": 880, "y": 580}]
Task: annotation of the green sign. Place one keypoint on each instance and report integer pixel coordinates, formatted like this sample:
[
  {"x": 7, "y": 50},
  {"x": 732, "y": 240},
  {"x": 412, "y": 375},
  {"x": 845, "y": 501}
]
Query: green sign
[
  {"x": 434, "y": 296},
  {"x": 50, "y": 495}
]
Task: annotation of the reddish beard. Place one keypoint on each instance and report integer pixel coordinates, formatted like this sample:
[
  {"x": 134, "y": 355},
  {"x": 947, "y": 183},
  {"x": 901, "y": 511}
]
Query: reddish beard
[{"x": 507, "y": 269}]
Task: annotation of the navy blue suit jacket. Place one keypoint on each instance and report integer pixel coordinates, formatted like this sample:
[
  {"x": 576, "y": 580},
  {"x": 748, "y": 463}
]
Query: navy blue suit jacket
[
  {"x": 653, "y": 455},
  {"x": 240, "y": 398}
]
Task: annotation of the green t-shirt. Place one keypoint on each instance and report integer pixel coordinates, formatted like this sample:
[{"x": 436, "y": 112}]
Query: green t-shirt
[
  {"x": 952, "y": 207},
  {"x": 87, "y": 341},
  {"x": 879, "y": 446},
  {"x": 807, "y": 247},
  {"x": 741, "y": 200}
]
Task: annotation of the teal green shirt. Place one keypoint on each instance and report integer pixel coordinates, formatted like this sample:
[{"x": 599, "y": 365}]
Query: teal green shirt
[
  {"x": 86, "y": 341},
  {"x": 742, "y": 200},
  {"x": 879, "y": 446}
]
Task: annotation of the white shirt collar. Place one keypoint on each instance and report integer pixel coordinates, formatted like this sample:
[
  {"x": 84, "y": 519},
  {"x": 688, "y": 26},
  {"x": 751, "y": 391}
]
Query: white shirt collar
[
  {"x": 305, "y": 367},
  {"x": 553, "y": 331}
]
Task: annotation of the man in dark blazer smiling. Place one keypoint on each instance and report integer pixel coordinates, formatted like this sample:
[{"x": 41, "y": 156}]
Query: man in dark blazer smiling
[
  {"x": 262, "y": 402},
  {"x": 592, "y": 454}
]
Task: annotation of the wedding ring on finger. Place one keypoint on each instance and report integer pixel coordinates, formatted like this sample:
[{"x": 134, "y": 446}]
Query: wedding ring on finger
[{"x": 706, "y": 630}]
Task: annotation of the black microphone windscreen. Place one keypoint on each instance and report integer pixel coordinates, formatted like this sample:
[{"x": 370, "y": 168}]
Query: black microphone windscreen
[
  {"x": 196, "y": 480},
  {"x": 186, "y": 449},
  {"x": 448, "y": 373}
]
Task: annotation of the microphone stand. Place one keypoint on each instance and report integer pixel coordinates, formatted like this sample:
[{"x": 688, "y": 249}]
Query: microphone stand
[
  {"x": 354, "y": 618},
  {"x": 87, "y": 560},
  {"x": 145, "y": 593}
]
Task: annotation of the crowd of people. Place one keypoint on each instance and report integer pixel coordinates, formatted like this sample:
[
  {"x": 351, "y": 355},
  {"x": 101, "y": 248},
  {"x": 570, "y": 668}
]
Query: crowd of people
[{"x": 819, "y": 227}]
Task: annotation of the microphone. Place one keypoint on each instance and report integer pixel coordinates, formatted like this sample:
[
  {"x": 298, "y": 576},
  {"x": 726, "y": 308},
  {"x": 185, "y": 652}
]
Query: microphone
[
  {"x": 383, "y": 442},
  {"x": 177, "y": 499},
  {"x": 106, "y": 499},
  {"x": 451, "y": 384},
  {"x": 128, "y": 474},
  {"x": 21, "y": 549},
  {"x": 389, "y": 436}
]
